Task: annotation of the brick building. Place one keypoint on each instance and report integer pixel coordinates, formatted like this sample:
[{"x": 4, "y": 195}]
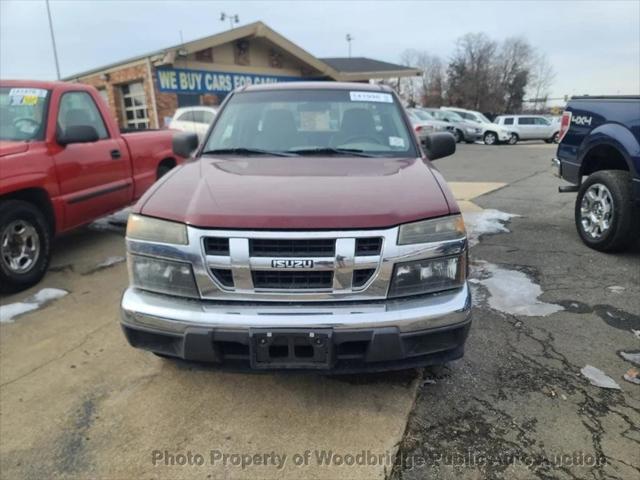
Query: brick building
[{"x": 144, "y": 92}]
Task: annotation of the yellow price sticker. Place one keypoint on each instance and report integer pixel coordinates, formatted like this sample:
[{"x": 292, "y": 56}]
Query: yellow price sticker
[{"x": 29, "y": 100}]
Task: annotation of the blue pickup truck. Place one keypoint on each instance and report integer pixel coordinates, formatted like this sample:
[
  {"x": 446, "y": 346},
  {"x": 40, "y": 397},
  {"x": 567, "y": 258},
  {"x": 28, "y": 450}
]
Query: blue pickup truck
[{"x": 599, "y": 154}]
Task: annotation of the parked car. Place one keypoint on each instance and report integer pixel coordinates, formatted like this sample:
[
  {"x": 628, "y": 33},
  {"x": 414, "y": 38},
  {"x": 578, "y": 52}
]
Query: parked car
[
  {"x": 492, "y": 133},
  {"x": 193, "y": 119},
  {"x": 64, "y": 163},
  {"x": 421, "y": 127},
  {"x": 438, "y": 125},
  {"x": 464, "y": 130},
  {"x": 599, "y": 154},
  {"x": 311, "y": 233},
  {"x": 529, "y": 127}
]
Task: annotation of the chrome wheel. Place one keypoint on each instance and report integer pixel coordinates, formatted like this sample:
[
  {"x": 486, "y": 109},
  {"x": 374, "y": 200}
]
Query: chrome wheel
[
  {"x": 513, "y": 139},
  {"x": 19, "y": 246},
  {"x": 555, "y": 138},
  {"x": 596, "y": 211}
]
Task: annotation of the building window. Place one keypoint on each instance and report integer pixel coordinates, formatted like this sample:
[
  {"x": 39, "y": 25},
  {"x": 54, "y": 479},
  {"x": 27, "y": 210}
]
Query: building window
[
  {"x": 205, "y": 55},
  {"x": 134, "y": 106}
]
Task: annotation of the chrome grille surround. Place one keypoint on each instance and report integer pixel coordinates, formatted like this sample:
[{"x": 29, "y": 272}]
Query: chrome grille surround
[{"x": 342, "y": 264}]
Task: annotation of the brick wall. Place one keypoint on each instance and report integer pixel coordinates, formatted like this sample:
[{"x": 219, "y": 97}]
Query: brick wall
[{"x": 115, "y": 79}]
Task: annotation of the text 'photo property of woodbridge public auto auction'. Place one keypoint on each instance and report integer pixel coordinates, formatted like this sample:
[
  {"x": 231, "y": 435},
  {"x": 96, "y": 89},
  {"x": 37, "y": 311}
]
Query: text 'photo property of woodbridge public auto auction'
[{"x": 394, "y": 240}]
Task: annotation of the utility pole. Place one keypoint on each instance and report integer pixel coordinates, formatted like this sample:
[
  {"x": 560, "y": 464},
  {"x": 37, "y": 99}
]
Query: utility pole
[
  {"x": 53, "y": 41},
  {"x": 349, "y": 39},
  {"x": 235, "y": 18}
]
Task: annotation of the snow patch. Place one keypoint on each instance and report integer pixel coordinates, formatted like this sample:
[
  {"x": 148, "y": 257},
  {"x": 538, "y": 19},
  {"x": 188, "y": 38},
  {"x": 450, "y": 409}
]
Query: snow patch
[
  {"x": 114, "y": 222},
  {"x": 598, "y": 378},
  {"x": 10, "y": 311},
  {"x": 110, "y": 261},
  {"x": 511, "y": 291},
  {"x": 485, "y": 222},
  {"x": 633, "y": 357},
  {"x": 616, "y": 289}
]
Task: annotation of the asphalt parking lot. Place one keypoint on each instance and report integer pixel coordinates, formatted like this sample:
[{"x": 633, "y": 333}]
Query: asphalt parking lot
[{"x": 77, "y": 402}]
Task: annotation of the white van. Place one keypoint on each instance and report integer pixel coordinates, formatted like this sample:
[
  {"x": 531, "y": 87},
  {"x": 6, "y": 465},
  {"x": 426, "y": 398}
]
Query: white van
[{"x": 530, "y": 127}]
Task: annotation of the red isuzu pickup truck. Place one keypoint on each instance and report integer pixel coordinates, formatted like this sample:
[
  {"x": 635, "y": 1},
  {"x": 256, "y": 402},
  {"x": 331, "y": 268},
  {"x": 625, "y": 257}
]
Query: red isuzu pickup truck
[
  {"x": 312, "y": 233},
  {"x": 64, "y": 163}
]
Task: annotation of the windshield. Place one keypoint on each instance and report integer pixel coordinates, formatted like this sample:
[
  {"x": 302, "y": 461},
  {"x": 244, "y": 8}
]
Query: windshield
[
  {"x": 421, "y": 114},
  {"x": 445, "y": 115},
  {"x": 22, "y": 113},
  {"x": 483, "y": 119},
  {"x": 312, "y": 121}
]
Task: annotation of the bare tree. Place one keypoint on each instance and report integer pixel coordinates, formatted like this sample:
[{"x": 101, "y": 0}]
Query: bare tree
[
  {"x": 471, "y": 71},
  {"x": 513, "y": 72},
  {"x": 543, "y": 76}
]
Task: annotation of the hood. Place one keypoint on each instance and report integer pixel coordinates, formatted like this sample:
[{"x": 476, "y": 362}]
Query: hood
[
  {"x": 495, "y": 127},
  {"x": 298, "y": 193},
  {"x": 8, "y": 147}
]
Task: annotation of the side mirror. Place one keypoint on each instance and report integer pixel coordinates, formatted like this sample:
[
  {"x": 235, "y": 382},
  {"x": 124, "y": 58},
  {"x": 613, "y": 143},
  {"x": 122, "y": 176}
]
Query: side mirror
[
  {"x": 77, "y": 134},
  {"x": 440, "y": 145},
  {"x": 446, "y": 119},
  {"x": 184, "y": 144}
]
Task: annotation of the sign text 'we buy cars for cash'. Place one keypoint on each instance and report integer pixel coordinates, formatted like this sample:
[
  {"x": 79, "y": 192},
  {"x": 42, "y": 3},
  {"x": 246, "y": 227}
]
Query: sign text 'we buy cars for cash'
[{"x": 178, "y": 80}]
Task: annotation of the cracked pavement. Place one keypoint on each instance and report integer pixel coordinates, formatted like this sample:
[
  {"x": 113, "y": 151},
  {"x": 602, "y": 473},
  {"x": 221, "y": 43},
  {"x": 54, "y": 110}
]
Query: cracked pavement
[{"x": 516, "y": 406}]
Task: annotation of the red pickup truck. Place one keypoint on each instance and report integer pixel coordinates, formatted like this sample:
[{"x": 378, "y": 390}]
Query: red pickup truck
[
  {"x": 312, "y": 233},
  {"x": 64, "y": 163}
]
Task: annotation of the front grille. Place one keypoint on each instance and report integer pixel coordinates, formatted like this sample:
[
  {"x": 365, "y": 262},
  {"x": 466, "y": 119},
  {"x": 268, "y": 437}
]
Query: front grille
[
  {"x": 224, "y": 276},
  {"x": 368, "y": 246},
  {"x": 216, "y": 246},
  {"x": 360, "y": 277},
  {"x": 320, "y": 247},
  {"x": 284, "y": 280}
]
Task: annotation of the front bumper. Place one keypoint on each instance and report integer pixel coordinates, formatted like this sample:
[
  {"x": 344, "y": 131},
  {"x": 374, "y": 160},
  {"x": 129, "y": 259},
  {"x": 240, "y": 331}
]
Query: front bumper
[
  {"x": 504, "y": 136},
  {"x": 556, "y": 167},
  {"x": 365, "y": 336}
]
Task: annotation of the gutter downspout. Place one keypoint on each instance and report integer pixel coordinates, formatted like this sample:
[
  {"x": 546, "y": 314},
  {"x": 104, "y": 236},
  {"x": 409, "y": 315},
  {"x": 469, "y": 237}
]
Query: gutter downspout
[{"x": 153, "y": 93}]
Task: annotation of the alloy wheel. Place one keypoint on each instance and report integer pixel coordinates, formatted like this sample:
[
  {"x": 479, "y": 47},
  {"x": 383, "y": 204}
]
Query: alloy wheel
[
  {"x": 596, "y": 211},
  {"x": 19, "y": 246}
]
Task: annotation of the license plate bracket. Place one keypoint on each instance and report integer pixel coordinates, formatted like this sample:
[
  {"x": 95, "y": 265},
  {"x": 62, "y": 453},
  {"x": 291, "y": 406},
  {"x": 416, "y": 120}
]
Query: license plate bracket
[{"x": 291, "y": 348}]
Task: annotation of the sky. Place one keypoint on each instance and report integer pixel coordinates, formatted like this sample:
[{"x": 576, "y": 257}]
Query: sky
[{"x": 594, "y": 46}]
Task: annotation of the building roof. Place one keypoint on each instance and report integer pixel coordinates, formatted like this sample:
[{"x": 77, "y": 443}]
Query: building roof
[
  {"x": 363, "y": 64},
  {"x": 342, "y": 69}
]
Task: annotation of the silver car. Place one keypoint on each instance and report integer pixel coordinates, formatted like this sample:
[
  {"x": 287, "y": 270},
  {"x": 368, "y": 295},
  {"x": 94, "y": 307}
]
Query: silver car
[
  {"x": 492, "y": 133},
  {"x": 530, "y": 127},
  {"x": 463, "y": 130},
  {"x": 420, "y": 126}
]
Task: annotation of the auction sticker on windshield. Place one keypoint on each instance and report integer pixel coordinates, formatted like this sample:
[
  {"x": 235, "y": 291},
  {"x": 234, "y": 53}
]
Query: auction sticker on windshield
[
  {"x": 396, "y": 142},
  {"x": 371, "y": 97},
  {"x": 26, "y": 96}
]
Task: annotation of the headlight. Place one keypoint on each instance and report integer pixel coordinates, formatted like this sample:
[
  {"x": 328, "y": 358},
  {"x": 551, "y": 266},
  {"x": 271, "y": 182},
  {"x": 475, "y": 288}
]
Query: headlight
[
  {"x": 151, "y": 229},
  {"x": 428, "y": 276},
  {"x": 436, "y": 230},
  {"x": 162, "y": 276}
]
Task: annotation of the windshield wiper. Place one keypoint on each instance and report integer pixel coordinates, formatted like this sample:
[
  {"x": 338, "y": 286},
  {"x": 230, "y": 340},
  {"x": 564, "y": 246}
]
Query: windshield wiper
[
  {"x": 246, "y": 151},
  {"x": 329, "y": 150}
]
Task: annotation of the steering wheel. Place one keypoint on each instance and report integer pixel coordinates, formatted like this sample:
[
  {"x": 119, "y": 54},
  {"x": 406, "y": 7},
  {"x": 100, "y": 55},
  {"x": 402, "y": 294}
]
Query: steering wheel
[
  {"x": 364, "y": 137},
  {"x": 18, "y": 120}
]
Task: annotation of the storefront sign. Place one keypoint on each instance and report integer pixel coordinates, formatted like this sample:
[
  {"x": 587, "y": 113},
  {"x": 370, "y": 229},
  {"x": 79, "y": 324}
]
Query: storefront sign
[{"x": 178, "y": 80}]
